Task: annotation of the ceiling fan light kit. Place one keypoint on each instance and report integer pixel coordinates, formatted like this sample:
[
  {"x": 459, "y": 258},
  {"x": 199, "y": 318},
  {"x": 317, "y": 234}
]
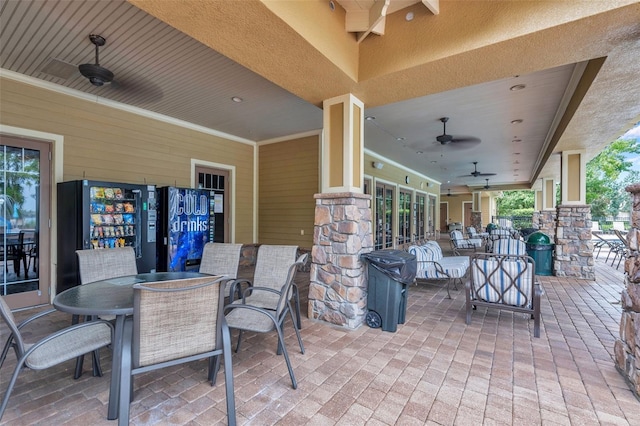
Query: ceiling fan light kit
[{"x": 96, "y": 74}]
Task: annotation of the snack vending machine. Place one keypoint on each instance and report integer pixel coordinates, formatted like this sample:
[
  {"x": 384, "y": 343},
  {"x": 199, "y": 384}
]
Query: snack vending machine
[
  {"x": 183, "y": 228},
  {"x": 103, "y": 215}
]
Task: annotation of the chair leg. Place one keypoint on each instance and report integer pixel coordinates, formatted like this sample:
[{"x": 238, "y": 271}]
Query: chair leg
[
  {"x": 286, "y": 357},
  {"x": 126, "y": 383},
  {"x": 97, "y": 369},
  {"x": 297, "y": 332},
  {"x": 214, "y": 367},
  {"x": 296, "y": 295},
  {"x": 228, "y": 375},
  {"x": 239, "y": 338},
  {"x": 12, "y": 383}
]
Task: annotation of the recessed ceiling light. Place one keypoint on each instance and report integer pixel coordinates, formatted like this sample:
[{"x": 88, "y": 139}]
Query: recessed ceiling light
[
  {"x": 369, "y": 118},
  {"x": 517, "y": 121},
  {"x": 237, "y": 99},
  {"x": 400, "y": 139},
  {"x": 433, "y": 161},
  {"x": 419, "y": 152},
  {"x": 409, "y": 16},
  {"x": 517, "y": 140},
  {"x": 517, "y": 87},
  {"x": 516, "y": 153},
  {"x": 516, "y": 162}
]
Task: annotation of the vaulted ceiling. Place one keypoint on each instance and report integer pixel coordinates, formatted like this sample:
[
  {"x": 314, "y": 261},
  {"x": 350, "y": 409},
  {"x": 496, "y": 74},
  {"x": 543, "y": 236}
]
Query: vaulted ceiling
[{"x": 577, "y": 62}]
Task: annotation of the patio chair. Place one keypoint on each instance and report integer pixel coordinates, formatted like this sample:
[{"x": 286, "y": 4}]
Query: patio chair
[
  {"x": 271, "y": 271},
  {"x": 97, "y": 265},
  {"x": 250, "y": 315},
  {"x": 510, "y": 246},
  {"x": 61, "y": 346},
  {"x": 176, "y": 322},
  {"x": 432, "y": 265},
  {"x": 507, "y": 283},
  {"x": 222, "y": 259},
  {"x": 458, "y": 242},
  {"x": 472, "y": 233},
  {"x": 621, "y": 249}
]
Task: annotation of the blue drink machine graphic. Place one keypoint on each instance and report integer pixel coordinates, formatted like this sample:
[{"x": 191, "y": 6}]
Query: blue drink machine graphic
[{"x": 183, "y": 228}]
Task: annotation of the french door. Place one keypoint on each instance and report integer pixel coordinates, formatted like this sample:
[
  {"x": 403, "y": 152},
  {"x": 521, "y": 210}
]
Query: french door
[
  {"x": 384, "y": 216},
  {"x": 25, "y": 188}
]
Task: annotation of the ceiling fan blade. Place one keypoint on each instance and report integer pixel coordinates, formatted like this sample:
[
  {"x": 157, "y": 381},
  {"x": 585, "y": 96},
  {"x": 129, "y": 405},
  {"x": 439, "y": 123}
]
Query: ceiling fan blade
[
  {"x": 465, "y": 139},
  {"x": 485, "y": 174}
]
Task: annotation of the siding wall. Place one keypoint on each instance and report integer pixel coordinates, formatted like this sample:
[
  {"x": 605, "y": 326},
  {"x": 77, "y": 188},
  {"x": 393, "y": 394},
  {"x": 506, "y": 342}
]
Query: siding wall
[
  {"x": 103, "y": 143},
  {"x": 288, "y": 179}
]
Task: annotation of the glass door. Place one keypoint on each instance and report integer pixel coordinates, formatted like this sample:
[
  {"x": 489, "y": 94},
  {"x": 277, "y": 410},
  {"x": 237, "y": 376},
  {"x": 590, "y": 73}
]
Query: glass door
[
  {"x": 384, "y": 216},
  {"x": 24, "y": 221}
]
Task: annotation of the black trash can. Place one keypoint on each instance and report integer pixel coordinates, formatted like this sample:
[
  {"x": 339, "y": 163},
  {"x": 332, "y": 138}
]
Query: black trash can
[
  {"x": 389, "y": 274},
  {"x": 539, "y": 247}
]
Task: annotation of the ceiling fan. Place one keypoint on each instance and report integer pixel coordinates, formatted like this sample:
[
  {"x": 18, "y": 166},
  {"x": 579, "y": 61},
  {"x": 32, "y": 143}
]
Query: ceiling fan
[
  {"x": 487, "y": 184},
  {"x": 449, "y": 194},
  {"x": 455, "y": 141},
  {"x": 96, "y": 74},
  {"x": 476, "y": 173}
]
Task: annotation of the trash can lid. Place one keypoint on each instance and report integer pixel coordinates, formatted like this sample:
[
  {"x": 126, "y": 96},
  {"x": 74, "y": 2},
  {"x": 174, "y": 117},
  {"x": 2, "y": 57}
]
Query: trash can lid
[
  {"x": 539, "y": 238},
  {"x": 491, "y": 226}
]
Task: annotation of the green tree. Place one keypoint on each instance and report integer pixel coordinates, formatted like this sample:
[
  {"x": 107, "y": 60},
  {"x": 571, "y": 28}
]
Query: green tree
[
  {"x": 604, "y": 193},
  {"x": 515, "y": 203}
]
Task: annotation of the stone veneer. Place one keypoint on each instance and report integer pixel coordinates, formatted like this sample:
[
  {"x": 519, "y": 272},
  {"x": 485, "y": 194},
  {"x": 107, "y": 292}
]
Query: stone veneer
[
  {"x": 574, "y": 248},
  {"x": 545, "y": 221},
  {"x": 476, "y": 221},
  {"x": 342, "y": 232},
  {"x": 627, "y": 347}
]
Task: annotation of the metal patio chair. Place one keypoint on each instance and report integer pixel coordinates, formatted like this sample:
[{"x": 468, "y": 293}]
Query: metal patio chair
[
  {"x": 175, "y": 322},
  {"x": 250, "y": 315},
  {"x": 504, "y": 282},
  {"x": 61, "y": 346},
  {"x": 222, "y": 259},
  {"x": 98, "y": 265}
]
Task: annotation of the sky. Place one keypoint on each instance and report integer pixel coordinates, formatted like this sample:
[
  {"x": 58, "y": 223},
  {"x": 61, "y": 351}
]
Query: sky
[{"x": 634, "y": 133}]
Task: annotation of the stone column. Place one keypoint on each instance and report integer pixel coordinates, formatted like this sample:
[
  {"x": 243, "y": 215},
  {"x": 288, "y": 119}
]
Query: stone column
[
  {"x": 574, "y": 249},
  {"x": 476, "y": 221},
  {"x": 545, "y": 221},
  {"x": 627, "y": 347},
  {"x": 342, "y": 232}
]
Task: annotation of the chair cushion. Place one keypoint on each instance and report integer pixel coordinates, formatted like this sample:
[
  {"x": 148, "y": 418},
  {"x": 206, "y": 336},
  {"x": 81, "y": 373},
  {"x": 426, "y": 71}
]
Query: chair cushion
[
  {"x": 453, "y": 266},
  {"x": 508, "y": 285},
  {"x": 510, "y": 246}
]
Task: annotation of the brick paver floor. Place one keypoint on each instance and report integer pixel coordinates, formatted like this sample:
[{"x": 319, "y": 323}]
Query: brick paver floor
[{"x": 434, "y": 370}]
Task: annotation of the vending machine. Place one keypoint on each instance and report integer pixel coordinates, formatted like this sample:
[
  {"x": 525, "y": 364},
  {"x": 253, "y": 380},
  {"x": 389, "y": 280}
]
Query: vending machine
[
  {"x": 96, "y": 215},
  {"x": 183, "y": 228}
]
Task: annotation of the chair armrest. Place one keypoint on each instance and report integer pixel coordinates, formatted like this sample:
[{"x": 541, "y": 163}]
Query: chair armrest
[
  {"x": 250, "y": 290},
  {"x": 236, "y": 288},
  {"x": 35, "y": 317}
]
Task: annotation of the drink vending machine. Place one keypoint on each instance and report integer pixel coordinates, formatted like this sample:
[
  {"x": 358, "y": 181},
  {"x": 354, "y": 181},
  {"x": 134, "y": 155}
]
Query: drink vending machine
[{"x": 183, "y": 224}]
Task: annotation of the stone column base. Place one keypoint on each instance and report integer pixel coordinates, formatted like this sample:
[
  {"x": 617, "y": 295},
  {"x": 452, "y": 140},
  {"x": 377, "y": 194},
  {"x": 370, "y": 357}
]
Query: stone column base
[{"x": 342, "y": 232}]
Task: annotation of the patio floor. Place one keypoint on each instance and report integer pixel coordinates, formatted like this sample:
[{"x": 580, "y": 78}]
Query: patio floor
[{"x": 434, "y": 370}]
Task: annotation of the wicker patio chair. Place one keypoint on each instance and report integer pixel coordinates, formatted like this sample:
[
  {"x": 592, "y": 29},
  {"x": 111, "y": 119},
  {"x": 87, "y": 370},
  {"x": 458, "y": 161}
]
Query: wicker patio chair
[
  {"x": 61, "y": 346},
  {"x": 175, "y": 322},
  {"x": 222, "y": 259},
  {"x": 504, "y": 282},
  {"x": 248, "y": 315}
]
